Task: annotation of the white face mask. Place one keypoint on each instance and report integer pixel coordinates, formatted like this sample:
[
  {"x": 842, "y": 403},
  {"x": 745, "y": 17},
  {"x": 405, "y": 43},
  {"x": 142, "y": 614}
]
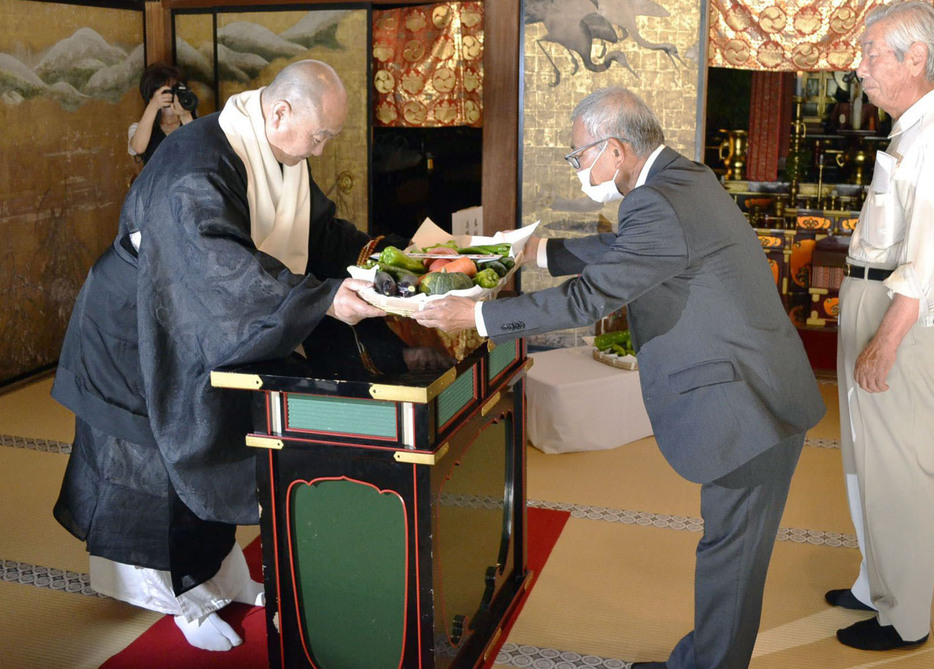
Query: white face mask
[{"x": 602, "y": 192}]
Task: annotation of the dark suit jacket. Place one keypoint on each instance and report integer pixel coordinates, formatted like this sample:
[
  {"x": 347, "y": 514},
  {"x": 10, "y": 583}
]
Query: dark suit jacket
[{"x": 724, "y": 374}]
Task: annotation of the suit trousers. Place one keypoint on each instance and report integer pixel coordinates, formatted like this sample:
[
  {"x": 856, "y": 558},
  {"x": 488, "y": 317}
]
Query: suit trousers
[
  {"x": 741, "y": 513},
  {"x": 885, "y": 439}
]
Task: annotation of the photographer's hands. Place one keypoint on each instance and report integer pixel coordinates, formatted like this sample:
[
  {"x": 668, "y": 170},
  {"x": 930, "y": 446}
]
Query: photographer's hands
[{"x": 183, "y": 114}]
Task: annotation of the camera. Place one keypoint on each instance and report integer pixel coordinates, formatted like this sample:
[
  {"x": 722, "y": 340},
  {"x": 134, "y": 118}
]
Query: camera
[{"x": 186, "y": 97}]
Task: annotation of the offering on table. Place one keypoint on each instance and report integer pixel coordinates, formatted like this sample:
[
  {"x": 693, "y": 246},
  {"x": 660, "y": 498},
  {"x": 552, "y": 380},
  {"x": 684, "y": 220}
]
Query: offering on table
[
  {"x": 615, "y": 348},
  {"x": 475, "y": 267}
]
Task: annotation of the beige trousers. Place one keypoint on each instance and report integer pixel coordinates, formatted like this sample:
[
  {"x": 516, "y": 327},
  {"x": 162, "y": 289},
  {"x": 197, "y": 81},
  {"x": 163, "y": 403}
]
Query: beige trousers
[{"x": 887, "y": 440}]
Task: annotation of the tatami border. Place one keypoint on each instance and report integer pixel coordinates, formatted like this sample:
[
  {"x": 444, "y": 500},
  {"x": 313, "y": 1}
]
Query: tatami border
[{"x": 516, "y": 655}]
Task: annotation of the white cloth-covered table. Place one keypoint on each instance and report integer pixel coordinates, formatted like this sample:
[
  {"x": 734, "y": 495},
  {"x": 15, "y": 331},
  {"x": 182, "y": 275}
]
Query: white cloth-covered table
[{"x": 578, "y": 404}]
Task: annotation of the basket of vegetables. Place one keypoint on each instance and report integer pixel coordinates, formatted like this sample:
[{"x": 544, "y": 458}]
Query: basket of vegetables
[
  {"x": 615, "y": 349},
  {"x": 477, "y": 267}
]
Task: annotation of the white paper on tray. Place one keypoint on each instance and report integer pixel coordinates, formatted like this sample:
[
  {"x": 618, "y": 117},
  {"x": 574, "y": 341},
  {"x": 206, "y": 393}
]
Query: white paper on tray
[{"x": 429, "y": 234}]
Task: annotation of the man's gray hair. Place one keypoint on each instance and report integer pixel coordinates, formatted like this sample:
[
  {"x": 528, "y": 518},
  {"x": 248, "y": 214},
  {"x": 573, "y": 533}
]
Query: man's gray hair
[
  {"x": 618, "y": 112},
  {"x": 910, "y": 22}
]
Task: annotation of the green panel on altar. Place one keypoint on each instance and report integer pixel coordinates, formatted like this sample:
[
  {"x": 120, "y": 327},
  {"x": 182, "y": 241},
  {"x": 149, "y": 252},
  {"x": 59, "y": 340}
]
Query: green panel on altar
[
  {"x": 454, "y": 398},
  {"x": 342, "y": 415},
  {"x": 500, "y": 358},
  {"x": 348, "y": 543}
]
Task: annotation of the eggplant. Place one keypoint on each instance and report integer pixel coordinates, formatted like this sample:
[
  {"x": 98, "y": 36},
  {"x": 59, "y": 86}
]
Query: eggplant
[
  {"x": 407, "y": 284},
  {"x": 385, "y": 284}
]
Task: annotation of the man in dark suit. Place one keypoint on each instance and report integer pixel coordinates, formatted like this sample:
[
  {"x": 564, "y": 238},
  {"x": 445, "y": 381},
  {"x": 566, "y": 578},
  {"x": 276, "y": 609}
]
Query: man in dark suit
[{"x": 724, "y": 376}]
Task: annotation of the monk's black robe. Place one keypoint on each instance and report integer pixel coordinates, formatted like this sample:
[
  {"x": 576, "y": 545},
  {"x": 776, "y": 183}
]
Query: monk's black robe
[{"x": 160, "y": 475}]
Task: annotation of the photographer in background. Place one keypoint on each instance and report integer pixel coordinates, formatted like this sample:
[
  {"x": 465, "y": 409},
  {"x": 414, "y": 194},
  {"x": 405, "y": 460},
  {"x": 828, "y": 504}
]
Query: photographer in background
[{"x": 170, "y": 104}]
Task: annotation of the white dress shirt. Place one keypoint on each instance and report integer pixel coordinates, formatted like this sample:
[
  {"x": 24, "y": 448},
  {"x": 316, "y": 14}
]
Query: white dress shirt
[
  {"x": 896, "y": 224},
  {"x": 541, "y": 259}
]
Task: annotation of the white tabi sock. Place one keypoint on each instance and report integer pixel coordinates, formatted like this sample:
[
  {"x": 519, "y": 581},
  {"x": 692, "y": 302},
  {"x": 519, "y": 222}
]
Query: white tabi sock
[
  {"x": 211, "y": 633},
  {"x": 252, "y": 594}
]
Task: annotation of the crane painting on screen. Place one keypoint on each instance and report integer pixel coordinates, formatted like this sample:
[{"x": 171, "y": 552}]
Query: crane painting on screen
[{"x": 575, "y": 24}]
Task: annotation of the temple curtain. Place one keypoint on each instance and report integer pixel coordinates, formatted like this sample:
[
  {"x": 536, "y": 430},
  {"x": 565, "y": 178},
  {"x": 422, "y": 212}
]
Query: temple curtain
[
  {"x": 769, "y": 124},
  {"x": 787, "y": 35},
  {"x": 428, "y": 65}
]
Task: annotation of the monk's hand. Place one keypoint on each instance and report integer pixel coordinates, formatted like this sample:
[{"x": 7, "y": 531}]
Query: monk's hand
[
  {"x": 451, "y": 314},
  {"x": 349, "y": 307},
  {"x": 873, "y": 365}
]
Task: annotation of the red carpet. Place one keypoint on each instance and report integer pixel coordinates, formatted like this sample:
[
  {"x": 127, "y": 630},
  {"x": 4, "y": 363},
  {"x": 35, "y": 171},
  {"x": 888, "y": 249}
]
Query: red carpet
[{"x": 162, "y": 646}]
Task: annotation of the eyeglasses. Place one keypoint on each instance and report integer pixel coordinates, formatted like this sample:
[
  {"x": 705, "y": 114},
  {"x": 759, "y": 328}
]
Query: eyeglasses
[{"x": 573, "y": 157}]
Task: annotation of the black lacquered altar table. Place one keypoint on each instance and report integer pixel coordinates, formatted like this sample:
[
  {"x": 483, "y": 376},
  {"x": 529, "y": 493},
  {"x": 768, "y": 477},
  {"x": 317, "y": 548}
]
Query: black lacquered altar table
[{"x": 392, "y": 508}]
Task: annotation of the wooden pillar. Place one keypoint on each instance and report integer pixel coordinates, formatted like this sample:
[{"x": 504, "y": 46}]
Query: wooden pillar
[
  {"x": 502, "y": 23},
  {"x": 158, "y": 32}
]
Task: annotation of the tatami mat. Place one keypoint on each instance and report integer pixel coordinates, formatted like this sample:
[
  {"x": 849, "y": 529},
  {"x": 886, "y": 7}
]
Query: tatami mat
[
  {"x": 829, "y": 425},
  {"x": 613, "y": 590},
  {"x": 29, "y": 411},
  {"x": 627, "y": 477},
  {"x": 28, "y": 531},
  {"x": 45, "y": 629},
  {"x": 637, "y": 477}
]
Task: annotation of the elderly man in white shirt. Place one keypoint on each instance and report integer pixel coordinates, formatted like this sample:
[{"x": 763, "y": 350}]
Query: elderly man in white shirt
[{"x": 886, "y": 343}]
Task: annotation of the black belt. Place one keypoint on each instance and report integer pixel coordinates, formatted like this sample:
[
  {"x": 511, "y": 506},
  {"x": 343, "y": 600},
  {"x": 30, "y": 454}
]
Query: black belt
[{"x": 873, "y": 274}]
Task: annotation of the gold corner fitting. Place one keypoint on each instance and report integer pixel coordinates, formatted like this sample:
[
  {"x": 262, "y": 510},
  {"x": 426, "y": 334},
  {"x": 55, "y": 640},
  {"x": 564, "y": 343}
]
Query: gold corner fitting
[
  {"x": 490, "y": 403},
  {"x": 417, "y": 395},
  {"x": 421, "y": 457},
  {"x": 235, "y": 380},
  {"x": 528, "y": 364},
  {"x": 492, "y": 644},
  {"x": 264, "y": 442}
]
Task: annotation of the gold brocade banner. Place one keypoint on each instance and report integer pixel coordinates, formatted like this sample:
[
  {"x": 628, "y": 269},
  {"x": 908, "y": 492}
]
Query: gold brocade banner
[
  {"x": 784, "y": 35},
  {"x": 428, "y": 65}
]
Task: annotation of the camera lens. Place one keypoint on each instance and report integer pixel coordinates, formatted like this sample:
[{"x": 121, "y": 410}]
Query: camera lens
[{"x": 186, "y": 98}]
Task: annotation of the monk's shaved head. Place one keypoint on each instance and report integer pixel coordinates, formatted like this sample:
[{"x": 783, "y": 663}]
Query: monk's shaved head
[
  {"x": 303, "y": 108},
  {"x": 307, "y": 85}
]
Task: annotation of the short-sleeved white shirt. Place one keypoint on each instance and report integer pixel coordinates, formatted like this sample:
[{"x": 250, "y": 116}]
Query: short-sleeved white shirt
[
  {"x": 896, "y": 224},
  {"x": 129, "y": 136}
]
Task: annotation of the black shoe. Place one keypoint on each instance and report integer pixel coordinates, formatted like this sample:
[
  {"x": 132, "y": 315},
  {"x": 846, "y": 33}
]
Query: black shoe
[
  {"x": 870, "y": 635},
  {"x": 648, "y": 665},
  {"x": 846, "y": 599}
]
